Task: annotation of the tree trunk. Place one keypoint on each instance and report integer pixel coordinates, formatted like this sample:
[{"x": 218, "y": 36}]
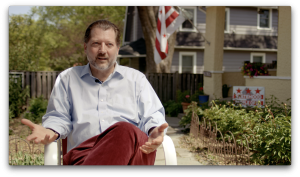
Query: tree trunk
[{"x": 148, "y": 16}]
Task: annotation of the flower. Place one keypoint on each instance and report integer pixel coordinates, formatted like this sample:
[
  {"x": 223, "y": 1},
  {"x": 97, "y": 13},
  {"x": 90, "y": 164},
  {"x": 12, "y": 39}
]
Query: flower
[
  {"x": 201, "y": 88},
  {"x": 254, "y": 69},
  {"x": 187, "y": 99}
]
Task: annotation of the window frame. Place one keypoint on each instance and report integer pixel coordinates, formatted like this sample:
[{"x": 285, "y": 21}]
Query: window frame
[
  {"x": 270, "y": 19},
  {"x": 227, "y": 30},
  {"x": 263, "y": 55},
  {"x": 194, "y": 54},
  {"x": 194, "y": 20}
]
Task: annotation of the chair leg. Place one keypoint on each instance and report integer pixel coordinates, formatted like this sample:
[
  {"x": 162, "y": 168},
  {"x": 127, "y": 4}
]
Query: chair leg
[{"x": 169, "y": 151}]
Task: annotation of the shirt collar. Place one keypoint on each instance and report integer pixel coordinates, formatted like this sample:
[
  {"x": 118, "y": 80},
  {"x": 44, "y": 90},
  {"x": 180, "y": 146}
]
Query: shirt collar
[{"x": 87, "y": 70}]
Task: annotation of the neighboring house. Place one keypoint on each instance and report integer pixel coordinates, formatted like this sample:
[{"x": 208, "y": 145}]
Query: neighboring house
[{"x": 250, "y": 34}]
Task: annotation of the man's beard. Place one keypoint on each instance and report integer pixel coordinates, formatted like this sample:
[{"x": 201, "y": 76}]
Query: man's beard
[{"x": 101, "y": 68}]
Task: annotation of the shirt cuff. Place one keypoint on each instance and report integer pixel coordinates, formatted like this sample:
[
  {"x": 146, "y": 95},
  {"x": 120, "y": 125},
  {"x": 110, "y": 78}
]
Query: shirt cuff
[
  {"x": 55, "y": 132},
  {"x": 149, "y": 132}
]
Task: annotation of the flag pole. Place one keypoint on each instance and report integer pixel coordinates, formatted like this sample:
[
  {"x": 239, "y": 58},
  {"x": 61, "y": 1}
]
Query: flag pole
[{"x": 193, "y": 24}]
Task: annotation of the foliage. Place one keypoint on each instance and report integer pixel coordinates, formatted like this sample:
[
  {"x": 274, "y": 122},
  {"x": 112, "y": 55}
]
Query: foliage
[
  {"x": 269, "y": 134},
  {"x": 186, "y": 119},
  {"x": 54, "y": 40},
  {"x": 198, "y": 92},
  {"x": 11, "y": 114},
  {"x": 17, "y": 97},
  {"x": 254, "y": 69},
  {"x": 183, "y": 96},
  {"x": 172, "y": 108},
  {"x": 21, "y": 158},
  {"x": 37, "y": 109}
]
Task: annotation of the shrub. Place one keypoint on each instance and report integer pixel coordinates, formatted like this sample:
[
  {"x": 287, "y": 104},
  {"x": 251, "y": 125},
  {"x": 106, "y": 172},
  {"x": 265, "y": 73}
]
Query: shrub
[
  {"x": 172, "y": 108},
  {"x": 36, "y": 110},
  {"x": 187, "y": 118},
  {"x": 17, "y": 97},
  {"x": 269, "y": 134},
  {"x": 181, "y": 96}
]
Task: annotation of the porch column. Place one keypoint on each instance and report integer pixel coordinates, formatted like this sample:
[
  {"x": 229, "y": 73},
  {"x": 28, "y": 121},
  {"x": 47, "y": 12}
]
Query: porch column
[
  {"x": 213, "y": 52},
  {"x": 284, "y": 41}
]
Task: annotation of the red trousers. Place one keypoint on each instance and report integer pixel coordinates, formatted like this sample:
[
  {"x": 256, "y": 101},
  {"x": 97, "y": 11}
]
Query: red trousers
[{"x": 117, "y": 145}]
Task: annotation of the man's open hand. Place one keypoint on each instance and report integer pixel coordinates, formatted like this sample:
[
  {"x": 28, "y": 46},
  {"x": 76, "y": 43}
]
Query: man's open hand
[
  {"x": 155, "y": 139},
  {"x": 39, "y": 133}
]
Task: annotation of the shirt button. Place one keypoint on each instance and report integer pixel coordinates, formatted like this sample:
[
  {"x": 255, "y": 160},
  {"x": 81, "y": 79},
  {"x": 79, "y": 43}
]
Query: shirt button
[
  {"x": 102, "y": 120},
  {"x": 101, "y": 100}
]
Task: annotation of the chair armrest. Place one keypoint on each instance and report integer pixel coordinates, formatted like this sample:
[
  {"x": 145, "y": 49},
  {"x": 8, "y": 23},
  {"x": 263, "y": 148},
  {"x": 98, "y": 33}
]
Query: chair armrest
[
  {"x": 52, "y": 153},
  {"x": 169, "y": 151}
]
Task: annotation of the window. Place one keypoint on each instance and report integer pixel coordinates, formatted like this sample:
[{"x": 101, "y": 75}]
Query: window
[
  {"x": 187, "y": 62},
  {"x": 227, "y": 22},
  {"x": 191, "y": 13},
  {"x": 258, "y": 58},
  {"x": 264, "y": 18}
]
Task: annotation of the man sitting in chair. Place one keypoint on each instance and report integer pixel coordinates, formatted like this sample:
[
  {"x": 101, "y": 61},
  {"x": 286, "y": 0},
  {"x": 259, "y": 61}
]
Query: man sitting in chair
[{"x": 110, "y": 113}]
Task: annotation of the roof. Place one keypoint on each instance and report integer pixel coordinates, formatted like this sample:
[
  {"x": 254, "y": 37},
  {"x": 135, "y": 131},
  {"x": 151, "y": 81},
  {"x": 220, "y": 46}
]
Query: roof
[
  {"x": 136, "y": 48},
  {"x": 230, "y": 40}
]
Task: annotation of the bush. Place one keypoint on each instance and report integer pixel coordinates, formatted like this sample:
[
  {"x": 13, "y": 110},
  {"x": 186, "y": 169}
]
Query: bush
[
  {"x": 172, "y": 108},
  {"x": 17, "y": 97},
  {"x": 269, "y": 134},
  {"x": 181, "y": 96},
  {"x": 37, "y": 109},
  {"x": 187, "y": 118}
]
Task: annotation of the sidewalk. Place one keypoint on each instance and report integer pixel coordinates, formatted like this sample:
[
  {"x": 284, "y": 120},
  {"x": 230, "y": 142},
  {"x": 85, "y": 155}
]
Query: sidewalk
[{"x": 184, "y": 157}]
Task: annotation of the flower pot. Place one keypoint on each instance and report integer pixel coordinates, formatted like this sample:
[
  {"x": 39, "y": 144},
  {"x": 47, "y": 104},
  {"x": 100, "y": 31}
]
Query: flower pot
[
  {"x": 185, "y": 105},
  {"x": 203, "y": 99}
]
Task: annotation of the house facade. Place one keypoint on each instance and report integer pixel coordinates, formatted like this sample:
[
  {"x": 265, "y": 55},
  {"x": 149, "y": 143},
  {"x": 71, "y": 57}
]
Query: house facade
[{"x": 250, "y": 35}]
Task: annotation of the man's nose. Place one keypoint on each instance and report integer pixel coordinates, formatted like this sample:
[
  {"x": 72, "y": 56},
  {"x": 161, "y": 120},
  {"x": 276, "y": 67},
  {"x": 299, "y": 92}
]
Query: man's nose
[{"x": 102, "y": 48}]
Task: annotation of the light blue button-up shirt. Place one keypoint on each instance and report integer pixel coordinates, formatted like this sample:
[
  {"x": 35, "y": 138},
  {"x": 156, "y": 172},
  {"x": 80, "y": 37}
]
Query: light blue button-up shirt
[{"x": 80, "y": 108}]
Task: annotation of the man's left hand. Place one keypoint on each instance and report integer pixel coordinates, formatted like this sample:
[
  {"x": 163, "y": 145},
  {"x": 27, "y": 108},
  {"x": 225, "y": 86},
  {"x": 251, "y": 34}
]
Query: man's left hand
[{"x": 155, "y": 139}]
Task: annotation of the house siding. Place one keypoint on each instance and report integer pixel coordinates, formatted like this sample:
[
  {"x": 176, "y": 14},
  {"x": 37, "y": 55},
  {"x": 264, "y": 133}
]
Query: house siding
[
  {"x": 243, "y": 20},
  {"x": 140, "y": 33},
  {"x": 201, "y": 17},
  {"x": 234, "y": 60},
  {"x": 128, "y": 36},
  {"x": 245, "y": 16}
]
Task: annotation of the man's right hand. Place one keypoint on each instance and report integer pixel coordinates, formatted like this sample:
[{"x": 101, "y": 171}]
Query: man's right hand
[{"x": 39, "y": 133}]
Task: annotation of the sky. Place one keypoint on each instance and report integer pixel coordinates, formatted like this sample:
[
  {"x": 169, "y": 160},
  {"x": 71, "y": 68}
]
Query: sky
[{"x": 17, "y": 10}]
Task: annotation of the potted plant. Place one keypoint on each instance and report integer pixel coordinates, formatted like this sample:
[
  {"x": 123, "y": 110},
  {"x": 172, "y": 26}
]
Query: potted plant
[
  {"x": 186, "y": 102},
  {"x": 254, "y": 69},
  {"x": 200, "y": 95},
  {"x": 184, "y": 98}
]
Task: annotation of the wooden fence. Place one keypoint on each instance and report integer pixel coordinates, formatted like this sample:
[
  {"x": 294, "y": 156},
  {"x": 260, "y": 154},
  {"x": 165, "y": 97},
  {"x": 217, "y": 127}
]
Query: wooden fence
[
  {"x": 40, "y": 83},
  {"x": 164, "y": 84}
]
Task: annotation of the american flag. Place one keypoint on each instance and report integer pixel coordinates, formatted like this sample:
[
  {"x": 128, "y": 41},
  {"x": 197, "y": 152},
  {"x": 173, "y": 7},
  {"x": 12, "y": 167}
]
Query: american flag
[{"x": 168, "y": 21}]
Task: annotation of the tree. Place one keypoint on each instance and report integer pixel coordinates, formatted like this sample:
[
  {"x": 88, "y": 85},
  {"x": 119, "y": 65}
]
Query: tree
[
  {"x": 148, "y": 16},
  {"x": 55, "y": 40},
  {"x": 70, "y": 23},
  {"x": 27, "y": 49}
]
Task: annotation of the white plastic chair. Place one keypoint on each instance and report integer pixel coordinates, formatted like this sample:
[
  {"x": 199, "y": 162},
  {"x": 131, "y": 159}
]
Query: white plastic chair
[{"x": 52, "y": 152}]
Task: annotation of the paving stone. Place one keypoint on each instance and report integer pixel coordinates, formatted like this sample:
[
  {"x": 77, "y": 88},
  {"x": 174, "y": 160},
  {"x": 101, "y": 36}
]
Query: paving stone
[{"x": 187, "y": 161}]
